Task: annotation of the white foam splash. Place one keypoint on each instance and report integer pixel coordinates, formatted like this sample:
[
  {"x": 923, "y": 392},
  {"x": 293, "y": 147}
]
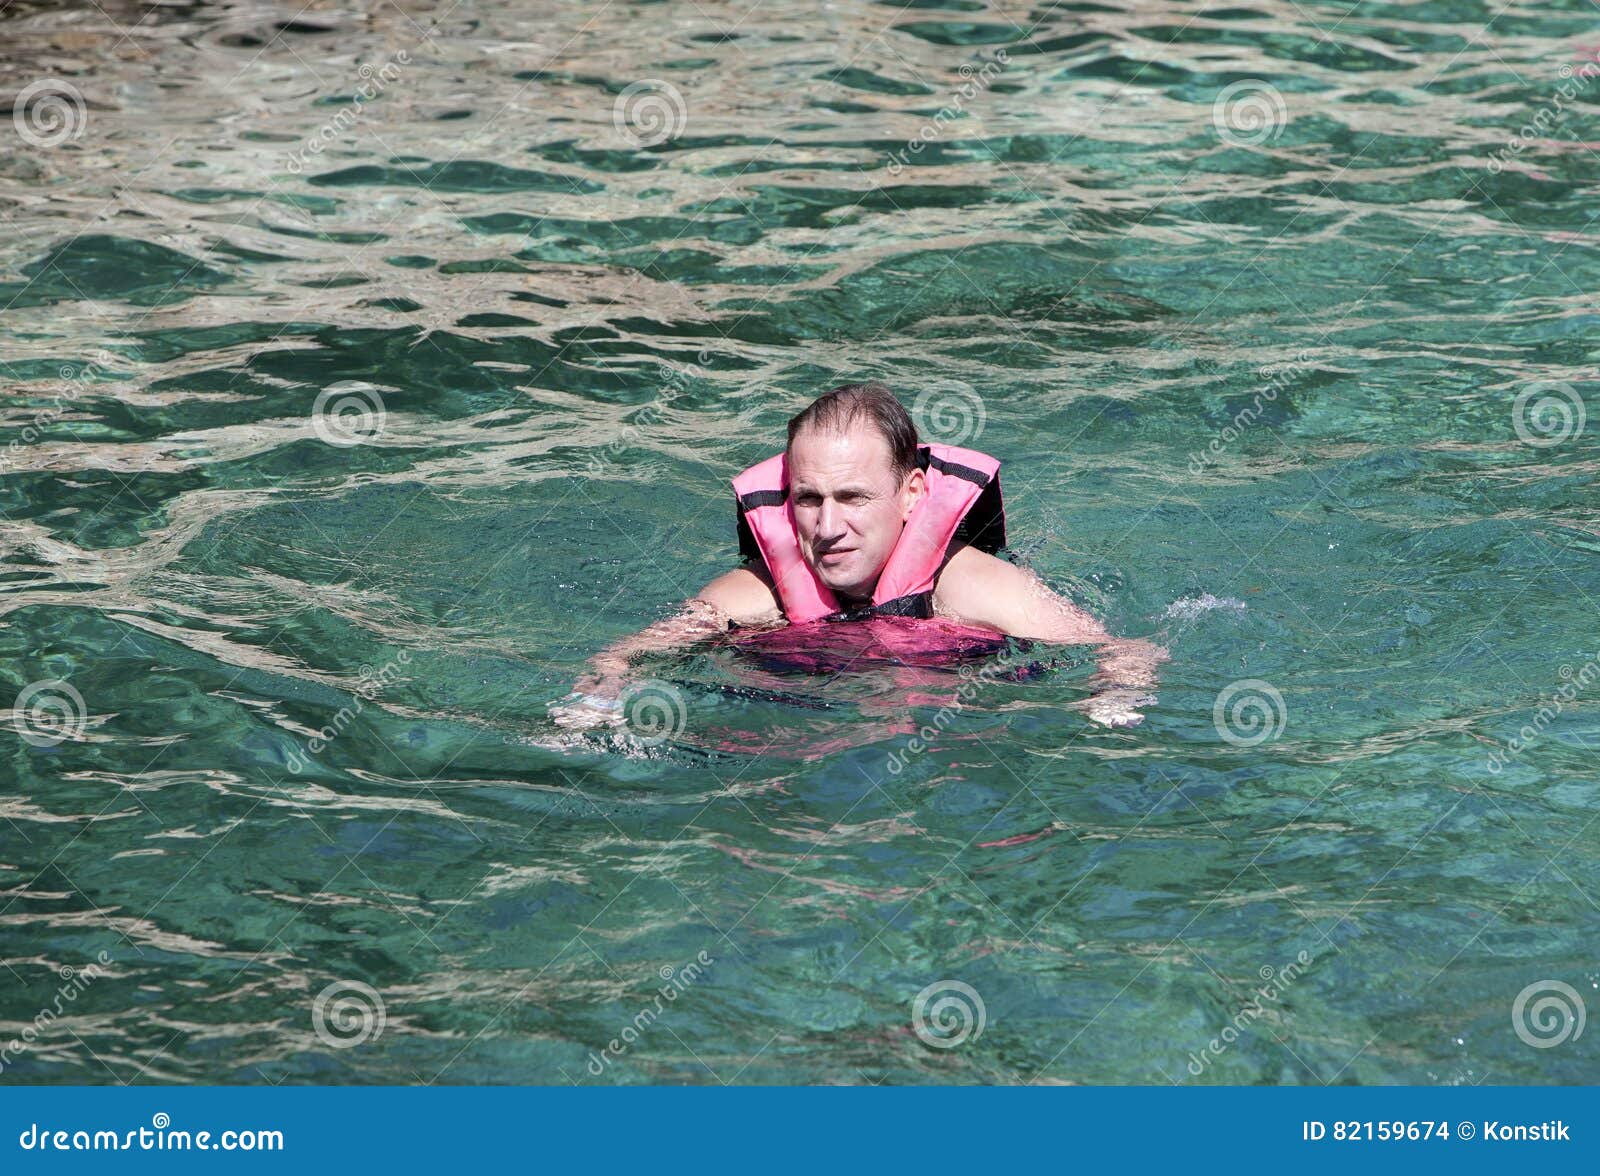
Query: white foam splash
[{"x": 1187, "y": 608}]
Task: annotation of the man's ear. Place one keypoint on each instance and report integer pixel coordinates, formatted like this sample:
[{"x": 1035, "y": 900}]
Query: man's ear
[{"x": 915, "y": 488}]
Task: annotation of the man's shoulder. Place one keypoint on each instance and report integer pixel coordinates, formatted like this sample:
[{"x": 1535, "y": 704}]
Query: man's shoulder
[
  {"x": 971, "y": 568},
  {"x": 979, "y": 588},
  {"x": 745, "y": 595},
  {"x": 969, "y": 577}
]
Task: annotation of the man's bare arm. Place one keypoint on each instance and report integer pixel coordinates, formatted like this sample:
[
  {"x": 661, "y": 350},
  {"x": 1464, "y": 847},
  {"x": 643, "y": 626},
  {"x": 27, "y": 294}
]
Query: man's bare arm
[
  {"x": 740, "y": 596},
  {"x": 979, "y": 589}
]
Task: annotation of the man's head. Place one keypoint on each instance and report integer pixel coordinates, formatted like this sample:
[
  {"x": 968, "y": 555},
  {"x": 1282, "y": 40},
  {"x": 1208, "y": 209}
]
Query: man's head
[{"x": 853, "y": 482}]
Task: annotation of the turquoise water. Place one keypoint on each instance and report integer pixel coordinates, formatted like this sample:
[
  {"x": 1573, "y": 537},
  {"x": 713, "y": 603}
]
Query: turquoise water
[{"x": 1289, "y": 355}]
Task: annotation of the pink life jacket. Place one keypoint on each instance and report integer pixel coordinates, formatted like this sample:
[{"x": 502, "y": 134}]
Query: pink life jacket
[{"x": 962, "y": 503}]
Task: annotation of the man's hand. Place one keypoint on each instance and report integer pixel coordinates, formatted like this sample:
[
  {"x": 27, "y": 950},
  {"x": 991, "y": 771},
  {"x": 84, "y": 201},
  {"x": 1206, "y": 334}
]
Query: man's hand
[
  {"x": 1116, "y": 708},
  {"x": 594, "y": 702},
  {"x": 597, "y": 698}
]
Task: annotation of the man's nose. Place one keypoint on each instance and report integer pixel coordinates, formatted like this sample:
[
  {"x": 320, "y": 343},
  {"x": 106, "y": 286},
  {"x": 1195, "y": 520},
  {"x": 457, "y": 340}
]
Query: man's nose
[{"x": 830, "y": 521}]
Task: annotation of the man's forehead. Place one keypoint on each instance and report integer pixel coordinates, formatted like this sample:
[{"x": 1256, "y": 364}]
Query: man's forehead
[{"x": 858, "y": 452}]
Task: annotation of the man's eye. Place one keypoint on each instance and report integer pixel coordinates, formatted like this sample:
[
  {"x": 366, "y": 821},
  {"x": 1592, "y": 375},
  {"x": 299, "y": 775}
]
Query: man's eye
[{"x": 808, "y": 500}]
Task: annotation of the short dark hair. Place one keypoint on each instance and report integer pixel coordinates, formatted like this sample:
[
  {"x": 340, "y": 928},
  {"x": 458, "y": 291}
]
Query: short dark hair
[{"x": 847, "y": 403}]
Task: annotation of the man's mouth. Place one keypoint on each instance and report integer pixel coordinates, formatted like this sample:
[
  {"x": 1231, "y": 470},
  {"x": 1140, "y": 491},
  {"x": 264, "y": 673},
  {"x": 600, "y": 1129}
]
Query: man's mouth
[{"x": 834, "y": 555}]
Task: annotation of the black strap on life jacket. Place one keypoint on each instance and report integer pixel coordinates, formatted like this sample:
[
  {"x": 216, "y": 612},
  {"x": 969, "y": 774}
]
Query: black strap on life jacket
[{"x": 918, "y": 605}]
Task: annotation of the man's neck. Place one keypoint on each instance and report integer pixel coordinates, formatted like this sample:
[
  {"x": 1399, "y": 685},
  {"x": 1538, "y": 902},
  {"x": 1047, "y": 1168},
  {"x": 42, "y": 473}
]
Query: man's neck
[{"x": 848, "y": 601}]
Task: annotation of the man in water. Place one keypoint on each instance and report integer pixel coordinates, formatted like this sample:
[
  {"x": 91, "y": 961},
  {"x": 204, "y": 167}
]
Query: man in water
[{"x": 855, "y": 478}]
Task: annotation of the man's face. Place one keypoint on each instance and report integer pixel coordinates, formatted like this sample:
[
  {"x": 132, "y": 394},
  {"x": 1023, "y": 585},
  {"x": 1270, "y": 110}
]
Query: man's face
[{"x": 848, "y": 508}]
